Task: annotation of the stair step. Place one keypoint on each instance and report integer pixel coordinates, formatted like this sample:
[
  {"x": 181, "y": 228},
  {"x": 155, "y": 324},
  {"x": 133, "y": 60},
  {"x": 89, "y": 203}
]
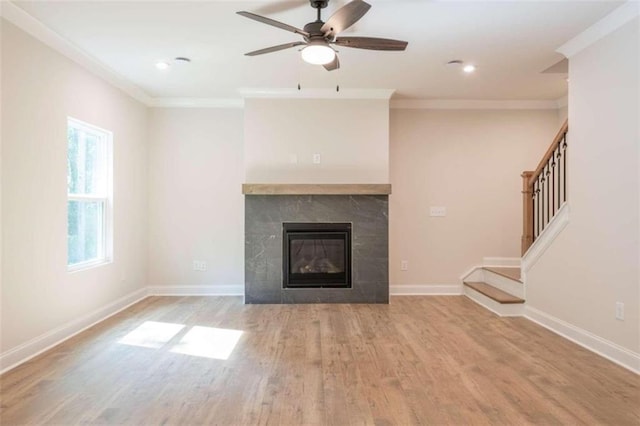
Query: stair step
[
  {"x": 493, "y": 293},
  {"x": 512, "y": 273}
]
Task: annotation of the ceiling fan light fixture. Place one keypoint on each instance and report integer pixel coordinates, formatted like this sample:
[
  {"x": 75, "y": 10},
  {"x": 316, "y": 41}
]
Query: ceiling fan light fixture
[{"x": 318, "y": 54}]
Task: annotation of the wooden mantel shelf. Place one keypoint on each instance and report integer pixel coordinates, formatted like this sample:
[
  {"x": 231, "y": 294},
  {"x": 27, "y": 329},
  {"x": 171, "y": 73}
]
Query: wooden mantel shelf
[{"x": 315, "y": 189}]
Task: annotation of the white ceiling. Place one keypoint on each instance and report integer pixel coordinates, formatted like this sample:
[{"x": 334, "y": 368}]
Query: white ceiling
[{"x": 511, "y": 42}]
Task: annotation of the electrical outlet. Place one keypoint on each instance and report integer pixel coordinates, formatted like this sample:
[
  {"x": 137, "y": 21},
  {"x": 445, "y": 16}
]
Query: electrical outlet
[
  {"x": 199, "y": 265},
  {"x": 404, "y": 265},
  {"x": 436, "y": 211},
  {"x": 620, "y": 311},
  {"x": 316, "y": 158}
]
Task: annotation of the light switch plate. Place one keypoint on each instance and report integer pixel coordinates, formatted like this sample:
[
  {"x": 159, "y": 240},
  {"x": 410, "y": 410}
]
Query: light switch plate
[{"x": 437, "y": 211}]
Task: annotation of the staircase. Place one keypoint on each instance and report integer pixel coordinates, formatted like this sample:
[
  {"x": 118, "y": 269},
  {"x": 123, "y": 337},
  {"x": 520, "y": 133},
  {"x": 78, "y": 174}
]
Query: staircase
[
  {"x": 544, "y": 197},
  {"x": 499, "y": 289}
]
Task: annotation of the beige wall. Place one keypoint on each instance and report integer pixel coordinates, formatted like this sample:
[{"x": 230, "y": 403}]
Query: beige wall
[
  {"x": 594, "y": 262},
  {"x": 40, "y": 88},
  {"x": 563, "y": 115},
  {"x": 352, "y": 137},
  {"x": 1, "y": 109},
  {"x": 196, "y": 208},
  {"x": 469, "y": 162}
]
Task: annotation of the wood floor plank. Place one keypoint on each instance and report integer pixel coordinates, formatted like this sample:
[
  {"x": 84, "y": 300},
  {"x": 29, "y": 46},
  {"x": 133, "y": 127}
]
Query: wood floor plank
[{"x": 419, "y": 360}]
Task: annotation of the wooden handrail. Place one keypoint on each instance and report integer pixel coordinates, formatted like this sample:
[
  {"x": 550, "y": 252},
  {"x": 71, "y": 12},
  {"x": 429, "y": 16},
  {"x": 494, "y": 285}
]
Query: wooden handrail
[
  {"x": 544, "y": 189},
  {"x": 547, "y": 155}
]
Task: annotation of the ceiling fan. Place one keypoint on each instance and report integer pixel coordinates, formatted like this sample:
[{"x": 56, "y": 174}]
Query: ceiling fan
[{"x": 319, "y": 36}]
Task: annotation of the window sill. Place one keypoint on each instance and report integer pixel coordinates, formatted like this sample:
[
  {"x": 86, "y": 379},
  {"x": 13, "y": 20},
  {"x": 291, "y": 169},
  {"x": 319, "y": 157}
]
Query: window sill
[{"x": 87, "y": 265}]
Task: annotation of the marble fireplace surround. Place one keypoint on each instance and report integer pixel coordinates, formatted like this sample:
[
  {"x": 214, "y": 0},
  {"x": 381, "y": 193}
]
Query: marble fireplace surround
[{"x": 268, "y": 206}]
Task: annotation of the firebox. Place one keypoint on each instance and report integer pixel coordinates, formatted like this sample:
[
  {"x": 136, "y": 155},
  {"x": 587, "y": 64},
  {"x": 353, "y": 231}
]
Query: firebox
[{"x": 316, "y": 255}]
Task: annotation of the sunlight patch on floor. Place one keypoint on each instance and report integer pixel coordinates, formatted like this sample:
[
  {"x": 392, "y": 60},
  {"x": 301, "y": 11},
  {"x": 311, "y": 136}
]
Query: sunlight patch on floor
[
  {"x": 152, "y": 334},
  {"x": 209, "y": 342}
]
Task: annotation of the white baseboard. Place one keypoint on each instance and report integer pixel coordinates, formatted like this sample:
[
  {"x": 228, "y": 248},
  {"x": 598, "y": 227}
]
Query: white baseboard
[
  {"x": 34, "y": 347},
  {"x": 197, "y": 290},
  {"x": 501, "y": 262},
  {"x": 612, "y": 351},
  {"x": 426, "y": 290}
]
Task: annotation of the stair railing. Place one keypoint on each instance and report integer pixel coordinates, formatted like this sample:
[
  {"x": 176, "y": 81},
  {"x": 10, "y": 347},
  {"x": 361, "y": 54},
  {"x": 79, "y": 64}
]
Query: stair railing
[{"x": 544, "y": 190}]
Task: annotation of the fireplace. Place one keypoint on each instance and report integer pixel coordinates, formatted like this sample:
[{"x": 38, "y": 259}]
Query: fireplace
[
  {"x": 363, "y": 207},
  {"x": 316, "y": 255}
]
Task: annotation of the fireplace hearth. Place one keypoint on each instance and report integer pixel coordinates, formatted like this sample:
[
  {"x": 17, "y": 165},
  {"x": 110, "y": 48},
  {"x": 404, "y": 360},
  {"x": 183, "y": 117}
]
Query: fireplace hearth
[{"x": 316, "y": 255}]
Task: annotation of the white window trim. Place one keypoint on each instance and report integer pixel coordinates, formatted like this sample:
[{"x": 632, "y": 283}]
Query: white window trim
[{"x": 107, "y": 200}]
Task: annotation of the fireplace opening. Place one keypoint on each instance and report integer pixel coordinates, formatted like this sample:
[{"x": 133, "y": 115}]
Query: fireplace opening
[{"x": 316, "y": 255}]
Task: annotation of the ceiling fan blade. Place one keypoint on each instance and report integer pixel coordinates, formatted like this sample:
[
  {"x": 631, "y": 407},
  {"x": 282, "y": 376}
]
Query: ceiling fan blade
[
  {"x": 333, "y": 65},
  {"x": 273, "y": 23},
  {"x": 275, "y": 48},
  {"x": 344, "y": 17},
  {"x": 371, "y": 43}
]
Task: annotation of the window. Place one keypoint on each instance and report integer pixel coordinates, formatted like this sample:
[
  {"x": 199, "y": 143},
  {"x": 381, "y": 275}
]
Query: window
[{"x": 89, "y": 182}]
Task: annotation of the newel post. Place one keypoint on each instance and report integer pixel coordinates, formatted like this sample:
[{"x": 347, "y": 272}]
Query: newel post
[{"x": 527, "y": 212}]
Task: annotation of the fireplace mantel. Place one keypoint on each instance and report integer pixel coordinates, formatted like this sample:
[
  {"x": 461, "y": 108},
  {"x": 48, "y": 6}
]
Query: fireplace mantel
[{"x": 315, "y": 189}]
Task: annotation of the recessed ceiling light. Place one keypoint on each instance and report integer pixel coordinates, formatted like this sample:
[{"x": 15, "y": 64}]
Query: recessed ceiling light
[
  {"x": 455, "y": 63},
  {"x": 182, "y": 59},
  {"x": 162, "y": 65},
  {"x": 469, "y": 68}
]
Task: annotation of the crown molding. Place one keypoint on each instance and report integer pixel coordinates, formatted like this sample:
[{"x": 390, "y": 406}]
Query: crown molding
[
  {"x": 474, "y": 104},
  {"x": 394, "y": 104},
  {"x": 602, "y": 28},
  {"x": 316, "y": 93},
  {"x": 38, "y": 30},
  {"x": 197, "y": 103}
]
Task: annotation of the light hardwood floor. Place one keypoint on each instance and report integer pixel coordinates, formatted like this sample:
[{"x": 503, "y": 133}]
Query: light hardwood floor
[{"x": 419, "y": 360}]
